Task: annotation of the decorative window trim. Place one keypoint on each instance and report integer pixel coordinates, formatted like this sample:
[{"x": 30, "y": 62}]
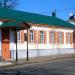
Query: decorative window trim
[
  {"x": 42, "y": 37},
  {"x": 19, "y": 37},
  {"x": 60, "y": 37},
  {"x": 68, "y": 34},
  {"x": 51, "y": 36},
  {"x": 31, "y": 36}
]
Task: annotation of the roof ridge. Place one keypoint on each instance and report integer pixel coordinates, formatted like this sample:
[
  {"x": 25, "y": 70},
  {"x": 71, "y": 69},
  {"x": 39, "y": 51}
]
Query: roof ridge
[
  {"x": 33, "y": 18},
  {"x": 25, "y": 12}
]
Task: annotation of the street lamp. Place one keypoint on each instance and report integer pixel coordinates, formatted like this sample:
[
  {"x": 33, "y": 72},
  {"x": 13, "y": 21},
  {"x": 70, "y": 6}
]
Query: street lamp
[{"x": 1, "y": 23}]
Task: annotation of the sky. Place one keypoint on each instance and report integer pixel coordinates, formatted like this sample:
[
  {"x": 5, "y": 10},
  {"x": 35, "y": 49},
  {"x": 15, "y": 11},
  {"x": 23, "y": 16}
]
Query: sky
[{"x": 45, "y": 7}]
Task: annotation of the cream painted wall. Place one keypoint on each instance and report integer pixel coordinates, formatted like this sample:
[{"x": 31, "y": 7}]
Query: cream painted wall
[
  {"x": 41, "y": 49},
  {"x": 46, "y": 46},
  {"x": 12, "y": 41}
]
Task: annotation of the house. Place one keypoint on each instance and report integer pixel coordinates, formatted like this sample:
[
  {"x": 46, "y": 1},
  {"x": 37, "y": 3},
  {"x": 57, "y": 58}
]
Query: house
[
  {"x": 46, "y": 35},
  {"x": 72, "y": 21}
]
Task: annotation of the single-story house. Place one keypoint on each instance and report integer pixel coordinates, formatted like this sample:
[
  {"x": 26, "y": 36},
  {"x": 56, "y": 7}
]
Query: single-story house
[{"x": 46, "y": 35}]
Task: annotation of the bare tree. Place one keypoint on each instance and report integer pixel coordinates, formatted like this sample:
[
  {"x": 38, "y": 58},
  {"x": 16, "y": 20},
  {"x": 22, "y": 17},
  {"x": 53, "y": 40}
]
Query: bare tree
[{"x": 8, "y": 3}]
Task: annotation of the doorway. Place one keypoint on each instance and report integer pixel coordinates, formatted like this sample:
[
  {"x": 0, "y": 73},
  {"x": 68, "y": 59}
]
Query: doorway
[{"x": 5, "y": 44}]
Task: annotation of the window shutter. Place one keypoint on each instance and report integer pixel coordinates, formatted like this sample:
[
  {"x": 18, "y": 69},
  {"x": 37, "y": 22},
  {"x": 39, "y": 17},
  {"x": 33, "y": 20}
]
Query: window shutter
[
  {"x": 58, "y": 41},
  {"x": 62, "y": 37},
  {"x": 71, "y": 38},
  {"x": 22, "y": 36},
  {"x": 38, "y": 36},
  {"x": 67, "y": 38},
  {"x": 45, "y": 38},
  {"x": 55, "y": 35},
  {"x": 50, "y": 41},
  {"x": 28, "y": 36},
  {"x": 35, "y": 36}
]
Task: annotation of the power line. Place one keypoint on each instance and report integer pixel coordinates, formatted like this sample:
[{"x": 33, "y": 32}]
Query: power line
[{"x": 62, "y": 10}]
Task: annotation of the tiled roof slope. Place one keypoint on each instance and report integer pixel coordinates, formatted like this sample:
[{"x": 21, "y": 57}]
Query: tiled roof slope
[{"x": 33, "y": 18}]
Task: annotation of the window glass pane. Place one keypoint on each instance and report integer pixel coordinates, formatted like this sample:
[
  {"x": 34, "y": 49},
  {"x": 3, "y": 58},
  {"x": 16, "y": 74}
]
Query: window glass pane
[
  {"x": 18, "y": 36},
  {"x": 52, "y": 37},
  {"x": 25, "y": 36},
  {"x": 60, "y": 37},
  {"x": 68, "y": 37},
  {"x": 41, "y": 37},
  {"x": 31, "y": 36}
]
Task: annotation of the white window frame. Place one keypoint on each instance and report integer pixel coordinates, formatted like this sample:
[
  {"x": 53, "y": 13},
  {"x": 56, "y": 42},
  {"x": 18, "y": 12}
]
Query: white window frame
[
  {"x": 31, "y": 36},
  {"x": 68, "y": 38},
  {"x": 41, "y": 36},
  {"x": 60, "y": 37},
  {"x": 18, "y": 36},
  {"x": 52, "y": 36}
]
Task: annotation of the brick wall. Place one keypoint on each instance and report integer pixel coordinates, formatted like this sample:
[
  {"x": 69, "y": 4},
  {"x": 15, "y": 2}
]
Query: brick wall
[{"x": 56, "y": 37}]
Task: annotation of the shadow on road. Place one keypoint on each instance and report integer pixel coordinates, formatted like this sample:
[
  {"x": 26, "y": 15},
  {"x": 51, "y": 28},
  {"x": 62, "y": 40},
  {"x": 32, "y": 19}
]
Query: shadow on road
[{"x": 29, "y": 73}]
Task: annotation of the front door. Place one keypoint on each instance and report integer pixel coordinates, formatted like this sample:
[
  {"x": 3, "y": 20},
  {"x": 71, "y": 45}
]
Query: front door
[{"x": 5, "y": 44}]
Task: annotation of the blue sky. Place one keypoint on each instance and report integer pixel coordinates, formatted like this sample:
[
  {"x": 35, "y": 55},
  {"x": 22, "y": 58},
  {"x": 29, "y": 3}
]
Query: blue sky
[{"x": 47, "y": 6}]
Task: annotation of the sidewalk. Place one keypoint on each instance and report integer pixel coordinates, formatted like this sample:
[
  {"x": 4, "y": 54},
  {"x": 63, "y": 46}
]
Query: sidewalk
[
  {"x": 3, "y": 64},
  {"x": 36, "y": 60}
]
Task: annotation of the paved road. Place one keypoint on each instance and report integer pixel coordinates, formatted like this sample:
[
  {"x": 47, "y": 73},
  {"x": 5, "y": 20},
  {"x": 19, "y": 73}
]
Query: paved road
[{"x": 62, "y": 67}]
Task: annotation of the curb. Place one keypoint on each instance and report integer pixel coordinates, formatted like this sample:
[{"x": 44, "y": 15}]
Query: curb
[{"x": 32, "y": 61}]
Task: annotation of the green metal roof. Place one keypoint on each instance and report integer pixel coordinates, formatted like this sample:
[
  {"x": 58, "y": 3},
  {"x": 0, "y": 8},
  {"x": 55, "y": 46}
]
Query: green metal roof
[
  {"x": 15, "y": 24},
  {"x": 10, "y": 24},
  {"x": 33, "y": 18}
]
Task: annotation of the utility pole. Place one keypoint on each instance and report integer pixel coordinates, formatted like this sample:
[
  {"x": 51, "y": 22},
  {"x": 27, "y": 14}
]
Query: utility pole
[
  {"x": 16, "y": 47},
  {"x": 27, "y": 46}
]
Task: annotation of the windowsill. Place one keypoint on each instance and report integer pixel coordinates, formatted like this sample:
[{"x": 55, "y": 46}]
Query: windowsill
[{"x": 31, "y": 42}]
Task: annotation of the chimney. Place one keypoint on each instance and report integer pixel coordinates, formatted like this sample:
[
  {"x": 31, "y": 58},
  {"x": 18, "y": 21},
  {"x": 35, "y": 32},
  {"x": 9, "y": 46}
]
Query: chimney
[
  {"x": 71, "y": 16},
  {"x": 54, "y": 13}
]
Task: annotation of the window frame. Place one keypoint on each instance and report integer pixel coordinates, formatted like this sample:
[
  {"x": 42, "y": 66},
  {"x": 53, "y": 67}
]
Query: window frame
[
  {"x": 25, "y": 37},
  {"x": 42, "y": 37},
  {"x": 18, "y": 36},
  {"x": 68, "y": 35},
  {"x": 52, "y": 36},
  {"x": 31, "y": 36},
  {"x": 60, "y": 37}
]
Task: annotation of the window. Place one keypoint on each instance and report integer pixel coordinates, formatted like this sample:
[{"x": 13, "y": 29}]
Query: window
[
  {"x": 68, "y": 37},
  {"x": 60, "y": 37},
  {"x": 31, "y": 36},
  {"x": 51, "y": 37},
  {"x": 18, "y": 36},
  {"x": 41, "y": 37},
  {"x": 25, "y": 36}
]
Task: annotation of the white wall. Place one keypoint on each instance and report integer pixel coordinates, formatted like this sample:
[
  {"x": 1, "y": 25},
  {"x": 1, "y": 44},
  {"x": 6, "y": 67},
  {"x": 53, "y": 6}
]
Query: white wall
[
  {"x": 41, "y": 49},
  {"x": 12, "y": 41},
  {"x": 41, "y": 52},
  {"x": 12, "y": 44}
]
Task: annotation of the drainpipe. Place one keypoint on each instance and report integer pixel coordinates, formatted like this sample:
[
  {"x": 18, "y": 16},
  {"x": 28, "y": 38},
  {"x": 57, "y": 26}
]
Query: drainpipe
[
  {"x": 27, "y": 47},
  {"x": 16, "y": 47},
  {"x": 53, "y": 39}
]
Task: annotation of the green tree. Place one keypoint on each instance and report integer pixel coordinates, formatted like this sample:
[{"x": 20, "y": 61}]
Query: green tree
[{"x": 8, "y": 3}]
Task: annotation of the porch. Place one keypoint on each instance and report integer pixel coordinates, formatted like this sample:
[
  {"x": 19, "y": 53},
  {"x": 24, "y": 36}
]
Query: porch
[{"x": 8, "y": 38}]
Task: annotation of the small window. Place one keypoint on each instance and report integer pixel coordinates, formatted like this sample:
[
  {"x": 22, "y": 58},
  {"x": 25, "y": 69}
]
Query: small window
[
  {"x": 60, "y": 37},
  {"x": 25, "y": 36},
  {"x": 51, "y": 37},
  {"x": 18, "y": 36},
  {"x": 68, "y": 37},
  {"x": 31, "y": 36},
  {"x": 41, "y": 37}
]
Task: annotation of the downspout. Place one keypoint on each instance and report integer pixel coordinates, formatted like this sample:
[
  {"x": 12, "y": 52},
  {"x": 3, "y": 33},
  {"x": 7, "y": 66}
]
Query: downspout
[
  {"x": 27, "y": 47},
  {"x": 16, "y": 47}
]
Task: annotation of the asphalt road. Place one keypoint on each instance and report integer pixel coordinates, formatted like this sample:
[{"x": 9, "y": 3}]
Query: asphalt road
[{"x": 61, "y": 67}]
